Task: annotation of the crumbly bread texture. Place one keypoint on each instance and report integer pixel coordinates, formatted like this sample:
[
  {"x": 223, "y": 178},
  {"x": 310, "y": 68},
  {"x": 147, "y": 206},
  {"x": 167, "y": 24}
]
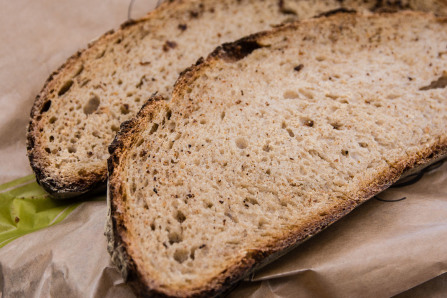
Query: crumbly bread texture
[
  {"x": 79, "y": 110},
  {"x": 268, "y": 141}
]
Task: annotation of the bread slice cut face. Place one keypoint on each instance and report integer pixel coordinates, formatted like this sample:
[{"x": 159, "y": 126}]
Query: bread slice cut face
[
  {"x": 80, "y": 108},
  {"x": 268, "y": 141}
]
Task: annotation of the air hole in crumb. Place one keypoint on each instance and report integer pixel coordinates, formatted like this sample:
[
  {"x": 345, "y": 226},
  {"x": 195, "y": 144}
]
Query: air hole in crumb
[
  {"x": 336, "y": 126},
  {"x": 79, "y": 71},
  {"x": 262, "y": 222},
  {"x": 153, "y": 226},
  {"x": 332, "y": 96},
  {"x": 298, "y": 67},
  {"x": 182, "y": 27},
  {"x": 52, "y": 120},
  {"x": 203, "y": 121},
  {"x": 363, "y": 145},
  {"x": 193, "y": 252},
  {"x": 241, "y": 143},
  {"x": 168, "y": 114},
  {"x": 393, "y": 96},
  {"x": 283, "y": 125},
  {"x": 268, "y": 172},
  {"x": 252, "y": 201},
  {"x": 290, "y": 132},
  {"x": 71, "y": 149},
  {"x": 290, "y": 95},
  {"x": 180, "y": 255},
  {"x": 230, "y": 216},
  {"x": 439, "y": 83},
  {"x": 266, "y": 148},
  {"x": 344, "y": 152},
  {"x": 154, "y": 128},
  {"x": 48, "y": 150},
  {"x": 92, "y": 105},
  {"x": 307, "y": 93},
  {"x": 51, "y": 138},
  {"x": 124, "y": 109},
  {"x": 65, "y": 87},
  {"x": 308, "y": 122},
  {"x": 115, "y": 128},
  {"x": 222, "y": 115},
  {"x": 180, "y": 217},
  {"x": 100, "y": 54},
  {"x": 174, "y": 238},
  {"x": 46, "y": 107}
]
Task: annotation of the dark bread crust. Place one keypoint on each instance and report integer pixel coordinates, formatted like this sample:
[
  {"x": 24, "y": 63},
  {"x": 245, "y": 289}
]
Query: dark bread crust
[
  {"x": 115, "y": 224},
  {"x": 255, "y": 259}
]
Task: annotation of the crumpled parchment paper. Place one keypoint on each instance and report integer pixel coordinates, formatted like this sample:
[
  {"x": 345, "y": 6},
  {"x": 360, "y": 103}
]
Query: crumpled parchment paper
[{"x": 379, "y": 250}]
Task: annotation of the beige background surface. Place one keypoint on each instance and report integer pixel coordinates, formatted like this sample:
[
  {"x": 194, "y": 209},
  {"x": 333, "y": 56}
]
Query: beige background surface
[{"x": 380, "y": 250}]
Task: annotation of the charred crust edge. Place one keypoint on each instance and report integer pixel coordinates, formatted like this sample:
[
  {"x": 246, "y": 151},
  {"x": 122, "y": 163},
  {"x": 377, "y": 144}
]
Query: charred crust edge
[
  {"x": 229, "y": 52},
  {"x": 388, "y": 7},
  {"x": 335, "y": 11},
  {"x": 238, "y": 50}
]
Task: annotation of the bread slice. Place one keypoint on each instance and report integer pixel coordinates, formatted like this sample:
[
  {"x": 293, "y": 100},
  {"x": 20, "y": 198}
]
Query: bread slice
[
  {"x": 268, "y": 141},
  {"x": 80, "y": 108}
]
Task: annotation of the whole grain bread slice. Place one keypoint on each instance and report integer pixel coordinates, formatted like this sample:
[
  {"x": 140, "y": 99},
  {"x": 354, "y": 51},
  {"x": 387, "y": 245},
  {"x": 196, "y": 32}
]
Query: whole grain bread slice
[
  {"x": 268, "y": 141},
  {"x": 76, "y": 115}
]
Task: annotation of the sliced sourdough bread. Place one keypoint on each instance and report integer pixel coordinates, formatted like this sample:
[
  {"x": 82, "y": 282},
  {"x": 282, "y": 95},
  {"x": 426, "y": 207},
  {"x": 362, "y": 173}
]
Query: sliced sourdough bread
[
  {"x": 268, "y": 141},
  {"x": 80, "y": 108}
]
